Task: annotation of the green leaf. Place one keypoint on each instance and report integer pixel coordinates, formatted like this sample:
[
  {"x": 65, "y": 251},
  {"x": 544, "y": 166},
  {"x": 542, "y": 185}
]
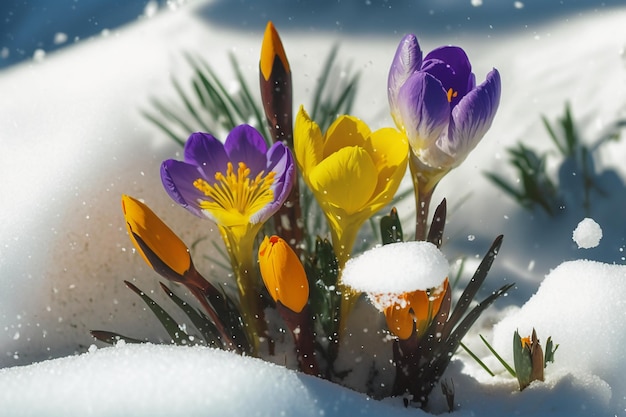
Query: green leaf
[
  {"x": 391, "y": 228},
  {"x": 206, "y": 328},
  {"x": 498, "y": 357},
  {"x": 435, "y": 234},
  {"x": 112, "y": 338},
  {"x": 475, "y": 283},
  {"x": 477, "y": 359},
  {"x": 522, "y": 361},
  {"x": 550, "y": 349},
  {"x": 178, "y": 336}
]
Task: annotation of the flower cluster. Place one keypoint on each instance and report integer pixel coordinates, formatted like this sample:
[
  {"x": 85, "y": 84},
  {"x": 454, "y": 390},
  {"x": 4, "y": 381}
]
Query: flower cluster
[{"x": 251, "y": 186}]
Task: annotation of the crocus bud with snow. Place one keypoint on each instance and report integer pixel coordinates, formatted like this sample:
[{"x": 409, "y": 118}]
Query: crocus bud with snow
[{"x": 404, "y": 280}]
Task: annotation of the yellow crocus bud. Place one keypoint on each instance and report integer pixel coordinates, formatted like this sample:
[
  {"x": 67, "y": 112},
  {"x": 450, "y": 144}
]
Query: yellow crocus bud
[
  {"x": 283, "y": 274},
  {"x": 158, "y": 244}
]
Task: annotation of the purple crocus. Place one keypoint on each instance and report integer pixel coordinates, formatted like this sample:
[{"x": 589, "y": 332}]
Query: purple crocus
[
  {"x": 436, "y": 103},
  {"x": 237, "y": 183}
]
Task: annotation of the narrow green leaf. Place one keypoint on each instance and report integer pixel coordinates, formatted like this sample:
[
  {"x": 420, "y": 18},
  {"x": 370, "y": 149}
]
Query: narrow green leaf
[
  {"x": 190, "y": 108},
  {"x": 391, "y": 228},
  {"x": 206, "y": 328},
  {"x": 475, "y": 283},
  {"x": 164, "y": 128},
  {"x": 176, "y": 334},
  {"x": 477, "y": 359},
  {"x": 523, "y": 362},
  {"x": 112, "y": 338},
  {"x": 498, "y": 357}
]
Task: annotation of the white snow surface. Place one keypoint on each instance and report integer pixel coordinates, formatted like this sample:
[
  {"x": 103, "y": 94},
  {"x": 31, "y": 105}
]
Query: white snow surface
[
  {"x": 74, "y": 140},
  {"x": 396, "y": 268},
  {"x": 587, "y": 234}
]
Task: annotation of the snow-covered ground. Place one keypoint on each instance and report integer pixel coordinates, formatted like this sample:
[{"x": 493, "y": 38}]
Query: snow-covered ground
[{"x": 73, "y": 140}]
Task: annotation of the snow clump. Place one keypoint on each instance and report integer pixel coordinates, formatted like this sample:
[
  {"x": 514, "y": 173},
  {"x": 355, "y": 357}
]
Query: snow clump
[{"x": 587, "y": 234}]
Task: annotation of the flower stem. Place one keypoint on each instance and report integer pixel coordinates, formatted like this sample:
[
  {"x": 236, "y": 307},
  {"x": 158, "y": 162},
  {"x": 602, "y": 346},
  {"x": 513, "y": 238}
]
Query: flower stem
[
  {"x": 425, "y": 179},
  {"x": 239, "y": 246},
  {"x": 301, "y": 328}
]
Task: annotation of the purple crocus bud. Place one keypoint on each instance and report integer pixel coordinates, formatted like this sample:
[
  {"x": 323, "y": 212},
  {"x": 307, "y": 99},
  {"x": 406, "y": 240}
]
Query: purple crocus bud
[
  {"x": 236, "y": 183},
  {"x": 438, "y": 105}
]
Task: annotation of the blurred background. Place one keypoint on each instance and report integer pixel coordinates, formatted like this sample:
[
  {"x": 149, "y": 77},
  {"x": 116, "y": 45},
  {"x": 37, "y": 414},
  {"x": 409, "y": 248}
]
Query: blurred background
[{"x": 30, "y": 28}]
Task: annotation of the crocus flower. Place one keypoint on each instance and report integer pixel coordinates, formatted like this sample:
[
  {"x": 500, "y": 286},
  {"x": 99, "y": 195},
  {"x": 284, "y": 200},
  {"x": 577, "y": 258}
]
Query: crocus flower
[
  {"x": 156, "y": 243},
  {"x": 239, "y": 185},
  {"x": 275, "y": 83},
  {"x": 436, "y": 103},
  {"x": 404, "y": 280},
  {"x": 352, "y": 171},
  {"x": 169, "y": 257},
  {"x": 528, "y": 359},
  {"x": 286, "y": 282},
  {"x": 414, "y": 310},
  {"x": 277, "y": 97},
  {"x": 283, "y": 273}
]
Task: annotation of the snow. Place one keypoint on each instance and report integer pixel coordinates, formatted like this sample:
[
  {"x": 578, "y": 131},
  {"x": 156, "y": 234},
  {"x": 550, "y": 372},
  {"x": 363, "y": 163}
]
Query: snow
[
  {"x": 587, "y": 234},
  {"x": 167, "y": 381},
  {"x": 581, "y": 306},
  {"x": 74, "y": 140},
  {"x": 413, "y": 266}
]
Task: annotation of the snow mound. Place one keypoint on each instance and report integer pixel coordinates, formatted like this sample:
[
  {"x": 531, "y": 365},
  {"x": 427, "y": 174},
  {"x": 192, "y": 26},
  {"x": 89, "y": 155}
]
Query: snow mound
[
  {"x": 581, "y": 305},
  {"x": 160, "y": 380}
]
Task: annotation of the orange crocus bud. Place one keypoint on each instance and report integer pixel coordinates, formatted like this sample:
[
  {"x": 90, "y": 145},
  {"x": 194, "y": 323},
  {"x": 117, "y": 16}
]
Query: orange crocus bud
[
  {"x": 414, "y": 310},
  {"x": 158, "y": 244},
  {"x": 283, "y": 273},
  {"x": 271, "y": 49}
]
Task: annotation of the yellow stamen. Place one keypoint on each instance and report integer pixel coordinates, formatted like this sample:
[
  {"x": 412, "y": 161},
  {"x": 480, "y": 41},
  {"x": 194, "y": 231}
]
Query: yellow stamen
[
  {"x": 452, "y": 94},
  {"x": 526, "y": 342},
  {"x": 235, "y": 197}
]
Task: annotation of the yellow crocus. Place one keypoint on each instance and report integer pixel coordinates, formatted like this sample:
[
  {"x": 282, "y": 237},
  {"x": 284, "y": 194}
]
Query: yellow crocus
[
  {"x": 283, "y": 274},
  {"x": 352, "y": 171},
  {"x": 154, "y": 240}
]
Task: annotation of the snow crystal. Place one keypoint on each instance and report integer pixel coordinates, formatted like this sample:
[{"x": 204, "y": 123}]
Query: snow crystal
[
  {"x": 60, "y": 38},
  {"x": 397, "y": 268},
  {"x": 587, "y": 234}
]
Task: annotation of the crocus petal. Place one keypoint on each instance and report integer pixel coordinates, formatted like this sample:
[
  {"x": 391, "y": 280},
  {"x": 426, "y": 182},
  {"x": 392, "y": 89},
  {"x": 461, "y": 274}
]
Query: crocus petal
[
  {"x": 456, "y": 59},
  {"x": 283, "y": 273},
  {"x": 399, "y": 319},
  {"x": 345, "y": 179},
  {"x": 280, "y": 161},
  {"x": 157, "y": 237},
  {"x": 178, "y": 179},
  {"x": 407, "y": 60},
  {"x": 424, "y": 110},
  {"x": 206, "y": 152},
  {"x": 471, "y": 118},
  {"x": 343, "y": 132},
  {"x": 389, "y": 154},
  {"x": 308, "y": 142},
  {"x": 245, "y": 144}
]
